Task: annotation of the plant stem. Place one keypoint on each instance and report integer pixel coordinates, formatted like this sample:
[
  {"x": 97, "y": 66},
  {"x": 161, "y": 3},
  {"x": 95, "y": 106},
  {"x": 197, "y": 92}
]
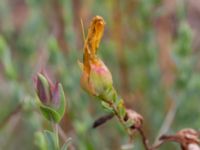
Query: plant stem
[
  {"x": 121, "y": 120},
  {"x": 144, "y": 139},
  {"x": 112, "y": 94},
  {"x": 55, "y": 130}
]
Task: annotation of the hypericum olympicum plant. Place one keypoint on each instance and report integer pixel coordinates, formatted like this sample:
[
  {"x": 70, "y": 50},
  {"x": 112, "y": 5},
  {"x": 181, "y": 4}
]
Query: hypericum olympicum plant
[
  {"x": 51, "y": 98},
  {"x": 97, "y": 80}
]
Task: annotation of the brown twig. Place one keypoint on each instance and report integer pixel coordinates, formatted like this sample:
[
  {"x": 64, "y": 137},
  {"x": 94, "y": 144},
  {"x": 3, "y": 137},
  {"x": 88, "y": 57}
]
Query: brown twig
[{"x": 144, "y": 139}]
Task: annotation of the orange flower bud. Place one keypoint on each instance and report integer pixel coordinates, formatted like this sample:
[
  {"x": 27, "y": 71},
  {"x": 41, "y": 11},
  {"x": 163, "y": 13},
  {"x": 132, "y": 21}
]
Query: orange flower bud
[{"x": 96, "y": 77}]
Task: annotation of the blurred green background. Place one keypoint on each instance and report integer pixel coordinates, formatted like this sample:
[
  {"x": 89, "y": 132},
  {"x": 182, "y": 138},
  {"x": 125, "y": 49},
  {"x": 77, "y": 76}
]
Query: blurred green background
[{"x": 150, "y": 46}]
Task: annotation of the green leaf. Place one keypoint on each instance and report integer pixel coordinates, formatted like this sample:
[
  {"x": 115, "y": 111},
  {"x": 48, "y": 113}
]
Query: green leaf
[
  {"x": 106, "y": 106},
  {"x": 51, "y": 140},
  {"x": 40, "y": 141},
  {"x": 109, "y": 94},
  {"x": 121, "y": 109},
  {"x": 62, "y": 103},
  {"x": 66, "y": 144},
  {"x": 50, "y": 114}
]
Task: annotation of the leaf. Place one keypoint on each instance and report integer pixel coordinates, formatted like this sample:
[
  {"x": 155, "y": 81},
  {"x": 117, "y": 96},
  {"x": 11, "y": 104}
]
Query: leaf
[
  {"x": 51, "y": 140},
  {"x": 40, "y": 141},
  {"x": 110, "y": 94},
  {"x": 62, "y": 102},
  {"x": 121, "y": 109},
  {"x": 66, "y": 144},
  {"x": 50, "y": 114},
  {"x": 106, "y": 106},
  {"x": 46, "y": 140}
]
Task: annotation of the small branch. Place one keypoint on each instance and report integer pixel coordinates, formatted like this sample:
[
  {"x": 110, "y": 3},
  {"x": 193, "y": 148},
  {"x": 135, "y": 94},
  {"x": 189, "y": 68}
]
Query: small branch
[
  {"x": 122, "y": 122},
  {"x": 144, "y": 138}
]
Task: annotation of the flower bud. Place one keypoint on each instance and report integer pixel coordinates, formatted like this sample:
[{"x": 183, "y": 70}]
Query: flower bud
[
  {"x": 98, "y": 79},
  {"x": 51, "y": 98}
]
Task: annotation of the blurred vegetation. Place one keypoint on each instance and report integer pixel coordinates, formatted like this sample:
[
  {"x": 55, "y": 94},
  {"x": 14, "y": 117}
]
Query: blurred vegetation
[{"x": 150, "y": 46}]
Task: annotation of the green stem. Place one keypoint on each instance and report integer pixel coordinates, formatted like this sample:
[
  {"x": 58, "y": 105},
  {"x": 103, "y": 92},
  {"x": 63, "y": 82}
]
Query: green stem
[
  {"x": 55, "y": 130},
  {"x": 121, "y": 120},
  {"x": 113, "y": 100}
]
